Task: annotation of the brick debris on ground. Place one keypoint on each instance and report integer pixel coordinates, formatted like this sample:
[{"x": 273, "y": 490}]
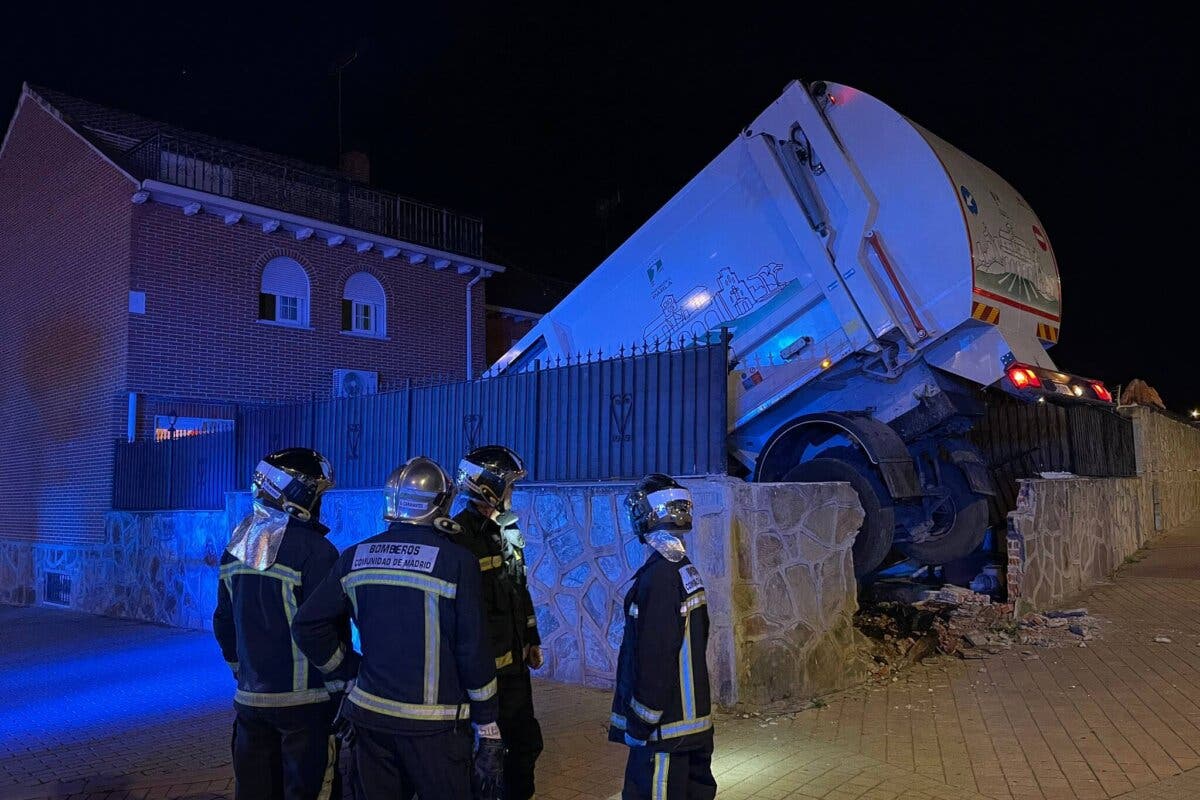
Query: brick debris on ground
[{"x": 99, "y": 708}]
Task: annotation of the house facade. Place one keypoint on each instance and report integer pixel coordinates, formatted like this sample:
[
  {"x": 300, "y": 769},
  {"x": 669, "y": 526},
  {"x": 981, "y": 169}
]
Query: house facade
[{"x": 151, "y": 278}]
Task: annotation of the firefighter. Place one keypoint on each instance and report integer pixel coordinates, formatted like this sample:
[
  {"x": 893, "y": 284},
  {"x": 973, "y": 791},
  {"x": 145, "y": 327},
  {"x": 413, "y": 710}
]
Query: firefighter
[
  {"x": 427, "y": 672},
  {"x": 661, "y": 703},
  {"x": 277, "y": 556},
  {"x": 485, "y": 479}
]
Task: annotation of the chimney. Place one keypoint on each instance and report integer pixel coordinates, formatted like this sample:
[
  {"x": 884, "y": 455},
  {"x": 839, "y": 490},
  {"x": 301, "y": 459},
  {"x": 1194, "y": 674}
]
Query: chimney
[{"x": 356, "y": 164}]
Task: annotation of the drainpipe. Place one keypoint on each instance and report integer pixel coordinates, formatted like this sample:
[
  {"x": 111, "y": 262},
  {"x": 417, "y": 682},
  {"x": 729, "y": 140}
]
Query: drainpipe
[{"x": 483, "y": 273}]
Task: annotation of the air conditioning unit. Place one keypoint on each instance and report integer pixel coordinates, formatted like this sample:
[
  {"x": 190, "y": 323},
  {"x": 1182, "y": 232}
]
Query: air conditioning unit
[{"x": 354, "y": 382}]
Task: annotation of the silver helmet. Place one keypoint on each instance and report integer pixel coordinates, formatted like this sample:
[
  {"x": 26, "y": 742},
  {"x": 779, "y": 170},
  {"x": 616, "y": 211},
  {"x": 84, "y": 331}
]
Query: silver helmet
[
  {"x": 659, "y": 503},
  {"x": 418, "y": 492},
  {"x": 293, "y": 481},
  {"x": 488, "y": 474}
]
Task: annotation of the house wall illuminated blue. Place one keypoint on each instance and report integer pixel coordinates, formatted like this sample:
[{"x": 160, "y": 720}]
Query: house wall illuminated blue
[{"x": 148, "y": 271}]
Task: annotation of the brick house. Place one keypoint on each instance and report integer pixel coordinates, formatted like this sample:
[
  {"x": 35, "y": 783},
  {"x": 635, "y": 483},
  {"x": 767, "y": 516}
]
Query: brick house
[
  {"x": 516, "y": 301},
  {"x": 149, "y": 273}
]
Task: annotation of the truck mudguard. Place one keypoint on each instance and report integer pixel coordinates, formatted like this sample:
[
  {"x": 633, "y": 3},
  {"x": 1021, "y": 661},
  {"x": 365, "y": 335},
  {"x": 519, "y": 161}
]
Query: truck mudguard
[
  {"x": 966, "y": 457},
  {"x": 882, "y": 445}
]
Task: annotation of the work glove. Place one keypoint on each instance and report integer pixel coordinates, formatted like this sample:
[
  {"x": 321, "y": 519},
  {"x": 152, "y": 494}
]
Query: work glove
[
  {"x": 343, "y": 728},
  {"x": 534, "y": 657},
  {"x": 488, "y": 780}
]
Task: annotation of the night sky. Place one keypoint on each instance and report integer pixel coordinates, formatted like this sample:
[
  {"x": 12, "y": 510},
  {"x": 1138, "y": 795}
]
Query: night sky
[{"x": 565, "y": 131}]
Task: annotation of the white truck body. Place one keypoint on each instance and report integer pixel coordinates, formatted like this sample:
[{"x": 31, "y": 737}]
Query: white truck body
[{"x": 850, "y": 253}]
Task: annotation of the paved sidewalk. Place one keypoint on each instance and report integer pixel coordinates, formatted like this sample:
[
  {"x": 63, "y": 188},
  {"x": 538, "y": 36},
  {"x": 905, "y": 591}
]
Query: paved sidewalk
[{"x": 101, "y": 709}]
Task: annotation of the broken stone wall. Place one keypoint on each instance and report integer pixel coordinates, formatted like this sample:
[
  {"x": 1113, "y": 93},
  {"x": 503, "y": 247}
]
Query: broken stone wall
[
  {"x": 1067, "y": 534},
  {"x": 793, "y": 589}
]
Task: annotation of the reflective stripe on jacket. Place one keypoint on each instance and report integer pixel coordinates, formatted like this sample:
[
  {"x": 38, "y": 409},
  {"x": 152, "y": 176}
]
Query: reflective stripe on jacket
[
  {"x": 508, "y": 607},
  {"x": 253, "y": 619},
  {"x": 662, "y": 690},
  {"x": 414, "y": 595}
]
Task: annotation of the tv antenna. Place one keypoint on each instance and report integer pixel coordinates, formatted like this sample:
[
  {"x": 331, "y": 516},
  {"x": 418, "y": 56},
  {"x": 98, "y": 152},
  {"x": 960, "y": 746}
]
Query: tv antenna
[{"x": 339, "y": 68}]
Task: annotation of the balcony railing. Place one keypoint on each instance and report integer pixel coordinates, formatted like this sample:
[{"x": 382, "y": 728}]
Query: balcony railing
[{"x": 282, "y": 185}]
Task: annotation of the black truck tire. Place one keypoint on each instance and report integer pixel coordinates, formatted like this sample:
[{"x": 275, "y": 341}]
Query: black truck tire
[
  {"x": 967, "y": 531},
  {"x": 874, "y": 538}
]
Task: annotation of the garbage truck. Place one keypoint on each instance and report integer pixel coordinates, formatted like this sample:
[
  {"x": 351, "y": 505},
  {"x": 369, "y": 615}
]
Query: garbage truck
[{"x": 872, "y": 281}]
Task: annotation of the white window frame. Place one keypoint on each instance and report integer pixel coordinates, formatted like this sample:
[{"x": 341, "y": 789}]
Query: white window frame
[
  {"x": 359, "y": 312},
  {"x": 367, "y": 301},
  {"x": 285, "y": 299},
  {"x": 281, "y": 310}
]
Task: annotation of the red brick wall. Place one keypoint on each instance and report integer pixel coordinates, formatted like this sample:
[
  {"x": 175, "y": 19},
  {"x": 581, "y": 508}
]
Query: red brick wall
[
  {"x": 502, "y": 333},
  {"x": 201, "y": 338},
  {"x": 64, "y": 254}
]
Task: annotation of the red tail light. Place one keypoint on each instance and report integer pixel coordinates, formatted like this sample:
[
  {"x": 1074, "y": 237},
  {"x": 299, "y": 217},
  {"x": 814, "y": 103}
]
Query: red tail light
[
  {"x": 1024, "y": 378},
  {"x": 1101, "y": 392}
]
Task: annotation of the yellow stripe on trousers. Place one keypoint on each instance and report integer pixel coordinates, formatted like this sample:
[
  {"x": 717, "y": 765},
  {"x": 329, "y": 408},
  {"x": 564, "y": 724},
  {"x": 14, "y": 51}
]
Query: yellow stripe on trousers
[
  {"x": 330, "y": 768},
  {"x": 662, "y": 761}
]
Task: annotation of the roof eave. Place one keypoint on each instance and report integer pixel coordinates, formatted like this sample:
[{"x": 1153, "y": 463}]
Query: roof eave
[{"x": 237, "y": 211}]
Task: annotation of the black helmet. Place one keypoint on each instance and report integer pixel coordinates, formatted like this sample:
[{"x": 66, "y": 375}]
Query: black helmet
[
  {"x": 418, "y": 492},
  {"x": 293, "y": 480},
  {"x": 659, "y": 503},
  {"x": 487, "y": 474}
]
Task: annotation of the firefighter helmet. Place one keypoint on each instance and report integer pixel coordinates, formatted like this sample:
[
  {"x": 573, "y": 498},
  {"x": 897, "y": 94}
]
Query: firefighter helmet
[
  {"x": 293, "y": 481},
  {"x": 487, "y": 475},
  {"x": 418, "y": 492},
  {"x": 659, "y": 503}
]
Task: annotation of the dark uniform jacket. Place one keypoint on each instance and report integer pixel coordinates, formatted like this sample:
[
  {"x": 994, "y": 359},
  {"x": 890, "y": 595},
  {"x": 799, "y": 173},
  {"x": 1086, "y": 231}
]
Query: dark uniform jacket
[
  {"x": 662, "y": 691},
  {"x": 414, "y": 595},
  {"x": 254, "y": 616},
  {"x": 509, "y": 608}
]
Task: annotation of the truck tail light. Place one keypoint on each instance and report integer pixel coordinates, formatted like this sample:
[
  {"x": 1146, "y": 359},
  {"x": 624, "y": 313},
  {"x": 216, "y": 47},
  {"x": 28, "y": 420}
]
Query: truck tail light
[
  {"x": 1024, "y": 378},
  {"x": 1101, "y": 392}
]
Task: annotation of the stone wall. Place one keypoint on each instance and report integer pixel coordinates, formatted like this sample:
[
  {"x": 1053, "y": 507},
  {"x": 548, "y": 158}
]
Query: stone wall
[
  {"x": 775, "y": 558},
  {"x": 1067, "y": 534},
  {"x": 778, "y": 575},
  {"x": 16, "y": 573},
  {"x": 160, "y": 566},
  {"x": 156, "y": 567},
  {"x": 793, "y": 590},
  {"x": 1168, "y": 462}
]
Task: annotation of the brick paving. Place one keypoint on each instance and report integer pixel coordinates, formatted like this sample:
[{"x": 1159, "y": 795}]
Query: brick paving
[{"x": 101, "y": 709}]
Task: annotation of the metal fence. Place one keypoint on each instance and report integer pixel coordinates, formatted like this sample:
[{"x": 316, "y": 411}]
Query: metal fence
[
  {"x": 191, "y": 472},
  {"x": 244, "y": 174},
  {"x": 1021, "y": 440},
  {"x": 659, "y": 410}
]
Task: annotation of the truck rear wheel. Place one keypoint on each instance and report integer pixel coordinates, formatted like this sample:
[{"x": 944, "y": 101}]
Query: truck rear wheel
[
  {"x": 958, "y": 520},
  {"x": 874, "y": 538}
]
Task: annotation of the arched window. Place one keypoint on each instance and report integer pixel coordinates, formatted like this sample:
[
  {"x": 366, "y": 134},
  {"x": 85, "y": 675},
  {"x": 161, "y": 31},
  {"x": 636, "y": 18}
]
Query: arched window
[
  {"x": 283, "y": 298},
  {"x": 364, "y": 306}
]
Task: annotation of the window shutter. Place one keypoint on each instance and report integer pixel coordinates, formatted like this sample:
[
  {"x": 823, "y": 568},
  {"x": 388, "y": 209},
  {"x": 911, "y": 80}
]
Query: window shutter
[
  {"x": 362, "y": 287},
  {"x": 266, "y": 306},
  {"x": 284, "y": 276}
]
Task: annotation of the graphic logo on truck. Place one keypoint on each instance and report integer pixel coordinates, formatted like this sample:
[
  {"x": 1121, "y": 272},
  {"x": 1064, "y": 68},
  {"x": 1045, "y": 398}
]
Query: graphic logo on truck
[
  {"x": 703, "y": 309},
  {"x": 1013, "y": 262}
]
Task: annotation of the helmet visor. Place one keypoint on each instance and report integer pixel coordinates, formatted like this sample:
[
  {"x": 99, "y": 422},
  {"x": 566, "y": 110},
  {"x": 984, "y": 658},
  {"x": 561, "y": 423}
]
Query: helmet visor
[
  {"x": 671, "y": 507},
  {"x": 409, "y": 503}
]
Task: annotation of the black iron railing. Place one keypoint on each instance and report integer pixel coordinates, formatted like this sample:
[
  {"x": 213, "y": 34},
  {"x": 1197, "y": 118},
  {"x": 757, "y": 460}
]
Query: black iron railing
[
  {"x": 284, "y": 185},
  {"x": 658, "y": 409}
]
